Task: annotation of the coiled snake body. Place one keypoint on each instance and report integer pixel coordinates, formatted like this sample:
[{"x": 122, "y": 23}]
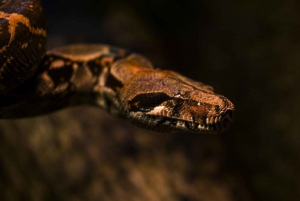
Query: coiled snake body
[{"x": 33, "y": 82}]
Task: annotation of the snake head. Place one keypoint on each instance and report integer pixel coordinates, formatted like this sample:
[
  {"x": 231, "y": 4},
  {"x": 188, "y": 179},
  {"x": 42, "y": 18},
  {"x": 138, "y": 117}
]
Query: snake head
[{"x": 163, "y": 100}]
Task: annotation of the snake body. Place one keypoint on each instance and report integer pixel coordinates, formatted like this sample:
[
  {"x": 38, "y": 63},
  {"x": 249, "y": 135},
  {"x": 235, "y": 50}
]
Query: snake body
[{"x": 124, "y": 83}]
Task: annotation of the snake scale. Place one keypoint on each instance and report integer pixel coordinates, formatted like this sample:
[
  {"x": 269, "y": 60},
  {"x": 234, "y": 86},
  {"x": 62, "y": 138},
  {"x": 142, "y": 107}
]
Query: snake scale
[{"x": 35, "y": 82}]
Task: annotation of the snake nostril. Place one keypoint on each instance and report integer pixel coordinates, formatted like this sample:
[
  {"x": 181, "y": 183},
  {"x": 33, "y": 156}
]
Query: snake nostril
[{"x": 227, "y": 119}]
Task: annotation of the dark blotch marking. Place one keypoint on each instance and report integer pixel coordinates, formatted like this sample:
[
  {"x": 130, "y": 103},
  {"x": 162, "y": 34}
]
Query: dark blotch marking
[
  {"x": 112, "y": 82},
  {"x": 61, "y": 75},
  {"x": 217, "y": 108},
  {"x": 146, "y": 102},
  {"x": 95, "y": 68}
]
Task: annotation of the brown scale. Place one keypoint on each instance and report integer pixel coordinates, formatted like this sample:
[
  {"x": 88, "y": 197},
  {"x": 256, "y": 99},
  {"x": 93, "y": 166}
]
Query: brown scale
[{"x": 123, "y": 83}]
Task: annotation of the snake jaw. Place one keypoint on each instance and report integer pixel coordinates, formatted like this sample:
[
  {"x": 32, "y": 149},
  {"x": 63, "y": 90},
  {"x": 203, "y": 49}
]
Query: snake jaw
[
  {"x": 165, "y": 124},
  {"x": 155, "y": 120}
]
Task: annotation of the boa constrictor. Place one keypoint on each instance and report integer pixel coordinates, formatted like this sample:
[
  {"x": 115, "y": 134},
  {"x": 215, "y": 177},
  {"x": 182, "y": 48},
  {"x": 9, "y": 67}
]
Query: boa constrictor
[{"x": 124, "y": 83}]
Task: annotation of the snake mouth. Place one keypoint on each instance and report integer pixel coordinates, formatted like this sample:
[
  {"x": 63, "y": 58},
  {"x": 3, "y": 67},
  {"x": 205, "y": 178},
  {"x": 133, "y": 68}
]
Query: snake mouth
[{"x": 166, "y": 124}]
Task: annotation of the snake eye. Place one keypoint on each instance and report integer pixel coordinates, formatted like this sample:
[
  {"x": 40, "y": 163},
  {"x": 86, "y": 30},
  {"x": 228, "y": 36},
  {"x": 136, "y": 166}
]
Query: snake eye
[{"x": 146, "y": 102}]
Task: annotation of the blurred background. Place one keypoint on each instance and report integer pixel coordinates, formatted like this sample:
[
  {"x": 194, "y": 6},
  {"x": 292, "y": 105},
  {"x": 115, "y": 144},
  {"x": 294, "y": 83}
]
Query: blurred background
[{"x": 247, "y": 50}]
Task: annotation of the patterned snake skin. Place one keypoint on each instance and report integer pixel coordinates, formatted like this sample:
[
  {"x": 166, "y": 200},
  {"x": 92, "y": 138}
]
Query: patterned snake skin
[{"x": 124, "y": 83}]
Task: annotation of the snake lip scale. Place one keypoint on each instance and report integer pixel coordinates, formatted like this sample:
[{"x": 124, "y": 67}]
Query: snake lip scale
[
  {"x": 35, "y": 82},
  {"x": 218, "y": 126},
  {"x": 210, "y": 124}
]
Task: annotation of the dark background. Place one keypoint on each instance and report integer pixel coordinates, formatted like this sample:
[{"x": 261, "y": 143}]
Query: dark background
[{"x": 247, "y": 50}]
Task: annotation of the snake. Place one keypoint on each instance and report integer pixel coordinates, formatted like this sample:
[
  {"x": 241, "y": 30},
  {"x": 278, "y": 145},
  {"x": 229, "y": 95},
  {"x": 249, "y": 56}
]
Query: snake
[{"x": 36, "y": 81}]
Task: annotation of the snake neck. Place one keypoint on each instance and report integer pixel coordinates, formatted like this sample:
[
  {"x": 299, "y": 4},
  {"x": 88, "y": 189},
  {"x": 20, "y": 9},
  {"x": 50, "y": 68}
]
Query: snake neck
[{"x": 67, "y": 76}]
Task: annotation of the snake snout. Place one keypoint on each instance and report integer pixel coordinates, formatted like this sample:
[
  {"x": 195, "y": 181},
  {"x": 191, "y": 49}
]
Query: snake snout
[{"x": 226, "y": 119}]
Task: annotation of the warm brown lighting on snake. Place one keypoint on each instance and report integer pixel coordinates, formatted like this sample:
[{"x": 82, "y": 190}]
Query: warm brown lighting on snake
[{"x": 124, "y": 83}]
